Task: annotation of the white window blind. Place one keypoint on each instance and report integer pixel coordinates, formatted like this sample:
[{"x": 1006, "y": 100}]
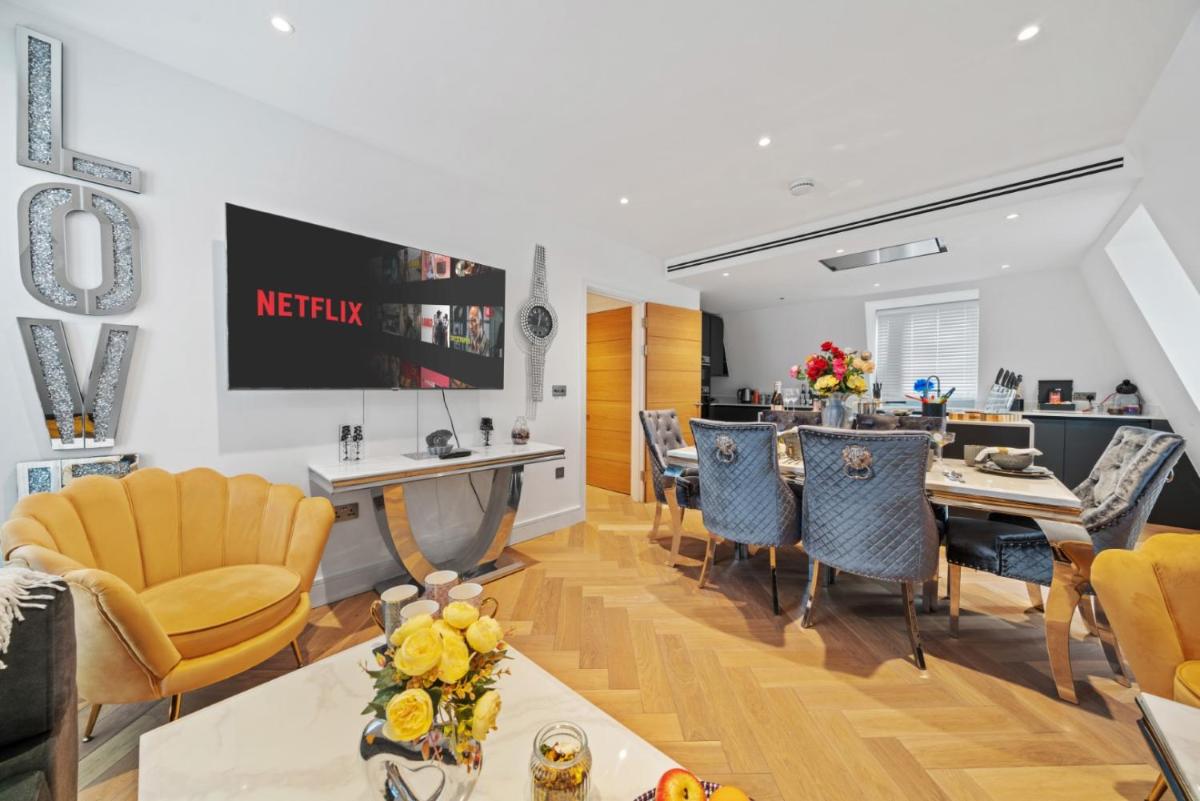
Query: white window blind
[{"x": 941, "y": 339}]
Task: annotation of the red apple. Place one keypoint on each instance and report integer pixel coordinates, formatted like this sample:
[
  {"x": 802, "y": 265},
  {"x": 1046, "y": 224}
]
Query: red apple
[{"x": 678, "y": 784}]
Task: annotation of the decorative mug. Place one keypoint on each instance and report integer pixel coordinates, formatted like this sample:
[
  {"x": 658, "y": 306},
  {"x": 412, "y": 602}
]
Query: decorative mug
[
  {"x": 426, "y": 607},
  {"x": 438, "y": 584},
  {"x": 472, "y": 593},
  {"x": 386, "y": 611}
]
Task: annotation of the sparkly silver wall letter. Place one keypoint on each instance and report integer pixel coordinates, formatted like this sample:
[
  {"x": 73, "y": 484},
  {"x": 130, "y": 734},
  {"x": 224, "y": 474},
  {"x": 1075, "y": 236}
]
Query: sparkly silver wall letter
[
  {"x": 72, "y": 421},
  {"x": 40, "y": 118},
  {"x": 42, "y": 222}
]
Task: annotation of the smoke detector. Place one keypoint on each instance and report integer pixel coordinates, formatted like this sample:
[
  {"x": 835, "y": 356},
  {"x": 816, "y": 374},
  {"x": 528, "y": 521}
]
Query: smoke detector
[{"x": 801, "y": 186}]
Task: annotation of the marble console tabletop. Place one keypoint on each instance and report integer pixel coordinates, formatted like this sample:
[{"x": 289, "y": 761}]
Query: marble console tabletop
[
  {"x": 376, "y": 471},
  {"x": 296, "y": 738}
]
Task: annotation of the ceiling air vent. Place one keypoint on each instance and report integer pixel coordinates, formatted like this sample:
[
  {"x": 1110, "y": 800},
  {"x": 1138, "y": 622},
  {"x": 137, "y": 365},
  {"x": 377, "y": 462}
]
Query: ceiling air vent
[{"x": 866, "y": 258}]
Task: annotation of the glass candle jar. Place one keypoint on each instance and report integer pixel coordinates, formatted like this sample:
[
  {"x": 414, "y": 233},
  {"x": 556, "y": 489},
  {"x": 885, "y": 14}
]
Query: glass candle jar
[{"x": 561, "y": 763}]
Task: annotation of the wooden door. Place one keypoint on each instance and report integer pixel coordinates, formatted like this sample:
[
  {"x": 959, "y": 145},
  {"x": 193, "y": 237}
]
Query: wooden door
[
  {"x": 609, "y": 398},
  {"x": 673, "y": 344}
]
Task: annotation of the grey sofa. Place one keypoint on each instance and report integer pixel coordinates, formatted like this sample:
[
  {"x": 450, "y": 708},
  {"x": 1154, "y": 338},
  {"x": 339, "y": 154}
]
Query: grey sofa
[{"x": 39, "y": 746}]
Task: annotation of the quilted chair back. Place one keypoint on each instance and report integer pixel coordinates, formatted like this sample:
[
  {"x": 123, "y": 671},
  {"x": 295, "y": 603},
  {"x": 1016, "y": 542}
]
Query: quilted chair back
[
  {"x": 745, "y": 499},
  {"x": 865, "y": 509},
  {"x": 152, "y": 526},
  {"x": 1123, "y": 487},
  {"x": 662, "y": 434},
  {"x": 789, "y": 418}
]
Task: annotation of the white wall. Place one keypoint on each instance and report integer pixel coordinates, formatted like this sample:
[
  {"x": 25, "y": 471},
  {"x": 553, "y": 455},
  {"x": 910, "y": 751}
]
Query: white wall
[
  {"x": 201, "y": 146},
  {"x": 1163, "y": 139},
  {"x": 1042, "y": 325}
]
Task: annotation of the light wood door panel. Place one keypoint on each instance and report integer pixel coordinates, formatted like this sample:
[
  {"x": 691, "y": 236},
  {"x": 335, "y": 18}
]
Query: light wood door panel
[
  {"x": 609, "y": 388},
  {"x": 672, "y": 365}
]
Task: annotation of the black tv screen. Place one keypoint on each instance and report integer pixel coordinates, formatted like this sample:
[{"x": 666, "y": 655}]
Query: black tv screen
[{"x": 312, "y": 307}]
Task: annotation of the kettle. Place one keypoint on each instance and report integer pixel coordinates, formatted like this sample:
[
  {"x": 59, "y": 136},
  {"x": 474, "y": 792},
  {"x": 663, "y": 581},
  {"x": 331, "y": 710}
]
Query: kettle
[{"x": 745, "y": 395}]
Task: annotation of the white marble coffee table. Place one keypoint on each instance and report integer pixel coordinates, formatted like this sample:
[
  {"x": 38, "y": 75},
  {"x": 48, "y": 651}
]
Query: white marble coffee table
[{"x": 296, "y": 738}]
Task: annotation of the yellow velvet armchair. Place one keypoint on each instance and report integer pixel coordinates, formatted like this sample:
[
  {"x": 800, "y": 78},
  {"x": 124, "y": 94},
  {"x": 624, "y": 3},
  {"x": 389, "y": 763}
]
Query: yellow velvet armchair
[
  {"x": 1152, "y": 599},
  {"x": 179, "y": 580}
]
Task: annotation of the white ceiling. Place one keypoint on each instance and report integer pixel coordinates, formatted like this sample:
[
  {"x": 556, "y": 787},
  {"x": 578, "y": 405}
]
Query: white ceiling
[{"x": 575, "y": 104}]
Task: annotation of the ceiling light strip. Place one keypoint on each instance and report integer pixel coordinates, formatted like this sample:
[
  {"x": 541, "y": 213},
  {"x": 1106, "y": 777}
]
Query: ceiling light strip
[{"x": 925, "y": 208}]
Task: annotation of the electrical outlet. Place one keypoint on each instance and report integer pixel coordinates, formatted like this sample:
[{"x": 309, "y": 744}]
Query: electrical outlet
[
  {"x": 559, "y": 390},
  {"x": 1083, "y": 396},
  {"x": 345, "y": 511},
  {"x": 560, "y": 472}
]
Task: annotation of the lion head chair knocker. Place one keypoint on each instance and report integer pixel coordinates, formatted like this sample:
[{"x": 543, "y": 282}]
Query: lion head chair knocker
[
  {"x": 726, "y": 449},
  {"x": 857, "y": 462}
]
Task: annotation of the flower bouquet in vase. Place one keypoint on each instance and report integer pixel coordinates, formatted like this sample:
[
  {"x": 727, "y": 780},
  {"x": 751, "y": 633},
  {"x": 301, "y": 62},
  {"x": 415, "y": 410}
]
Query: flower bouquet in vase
[
  {"x": 833, "y": 374},
  {"x": 435, "y": 702}
]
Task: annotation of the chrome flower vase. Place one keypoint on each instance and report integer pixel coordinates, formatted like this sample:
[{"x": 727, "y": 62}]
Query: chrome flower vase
[{"x": 418, "y": 770}]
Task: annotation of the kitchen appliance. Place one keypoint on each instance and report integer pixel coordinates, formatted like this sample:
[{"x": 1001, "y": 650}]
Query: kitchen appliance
[
  {"x": 745, "y": 395},
  {"x": 1054, "y": 396},
  {"x": 1125, "y": 399}
]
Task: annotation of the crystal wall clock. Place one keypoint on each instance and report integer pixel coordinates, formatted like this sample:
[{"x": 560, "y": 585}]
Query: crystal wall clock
[{"x": 539, "y": 324}]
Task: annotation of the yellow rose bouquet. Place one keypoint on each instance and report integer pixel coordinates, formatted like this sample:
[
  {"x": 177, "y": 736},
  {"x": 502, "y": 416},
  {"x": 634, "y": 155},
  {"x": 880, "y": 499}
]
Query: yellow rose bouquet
[{"x": 435, "y": 682}]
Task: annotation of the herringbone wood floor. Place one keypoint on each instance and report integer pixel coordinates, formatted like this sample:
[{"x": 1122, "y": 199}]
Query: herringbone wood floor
[{"x": 738, "y": 695}]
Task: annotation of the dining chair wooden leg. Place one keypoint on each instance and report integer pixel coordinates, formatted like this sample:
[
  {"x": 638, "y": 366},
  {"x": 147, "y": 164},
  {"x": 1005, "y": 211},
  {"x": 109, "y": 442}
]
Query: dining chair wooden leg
[
  {"x": 708, "y": 555},
  {"x": 908, "y": 591},
  {"x": 929, "y": 594},
  {"x": 815, "y": 569},
  {"x": 1061, "y": 601},
  {"x": 1108, "y": 641},
  {"x": 954, "y": 585},
  {"x": 658, "y": 507},
  {"x": 1159, "y": 789},
  {"x": 93, "y": 714},
  {"x": 674, "y": 517},
  {"x": 1034, "y": 590},
  {"x": 774, "y": 584}
]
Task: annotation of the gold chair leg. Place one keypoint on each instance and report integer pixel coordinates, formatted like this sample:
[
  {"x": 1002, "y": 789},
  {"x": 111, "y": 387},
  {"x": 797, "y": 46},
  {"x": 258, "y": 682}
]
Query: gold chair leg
[
  {"x": 1159, "y": 789},
  {"x": 176, "y": 707},
  {"x": 1034, "y": 591},
  {"x": 774, "y": 584},
  {"x": 1061, "y": 602},
  {"x": 907, "y": 592},
  {"x": 1108, "y": 641},
  {"x": 954, "y": 585},
  {"x": 1089, "y": 616},
  {"x": 93, "y": 714},
  {"x": 658, "y": 507},
  {"x": 296, "y": 653},
  {"x": 815, "y": 569},
  {"x": 708, "y": 554}
]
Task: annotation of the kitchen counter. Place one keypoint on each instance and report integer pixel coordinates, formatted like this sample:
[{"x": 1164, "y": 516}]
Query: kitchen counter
[{"x": 1091, "y": 415}]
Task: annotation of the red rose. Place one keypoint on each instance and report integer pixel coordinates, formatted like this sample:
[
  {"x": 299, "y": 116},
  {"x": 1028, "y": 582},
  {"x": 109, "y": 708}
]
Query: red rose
[
  {"x": 819, "y": 364},
  {"x": 827, "y": 345},
  {"x": 837, "y": 353}
]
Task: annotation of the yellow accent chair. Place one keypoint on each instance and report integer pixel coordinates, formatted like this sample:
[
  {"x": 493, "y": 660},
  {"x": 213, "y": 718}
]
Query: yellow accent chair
[
  {"x": 1152, "y": 599},
  {"x": 179, "y": 580}
]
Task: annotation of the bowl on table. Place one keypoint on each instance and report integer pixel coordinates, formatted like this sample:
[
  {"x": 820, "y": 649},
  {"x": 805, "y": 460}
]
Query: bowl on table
[
  {"x": 709, "y": 789},
  {"x": 1011, "y": 461}
]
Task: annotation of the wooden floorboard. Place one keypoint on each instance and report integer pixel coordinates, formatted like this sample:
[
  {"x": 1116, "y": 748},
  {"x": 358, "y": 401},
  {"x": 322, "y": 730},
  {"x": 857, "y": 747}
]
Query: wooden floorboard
[{"x": 739, "y": 695}]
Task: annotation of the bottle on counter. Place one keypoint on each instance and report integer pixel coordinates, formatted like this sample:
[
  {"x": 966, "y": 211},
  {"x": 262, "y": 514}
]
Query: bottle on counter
[{"x": 777, "y": 396}]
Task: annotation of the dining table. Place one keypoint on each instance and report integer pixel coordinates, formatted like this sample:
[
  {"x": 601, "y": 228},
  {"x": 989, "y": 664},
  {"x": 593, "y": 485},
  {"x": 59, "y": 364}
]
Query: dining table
[{"x": 1046, "y": 500}]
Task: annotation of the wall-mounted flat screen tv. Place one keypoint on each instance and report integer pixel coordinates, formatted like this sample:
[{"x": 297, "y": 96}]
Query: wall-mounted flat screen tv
[{"x": 312, "y": 307}]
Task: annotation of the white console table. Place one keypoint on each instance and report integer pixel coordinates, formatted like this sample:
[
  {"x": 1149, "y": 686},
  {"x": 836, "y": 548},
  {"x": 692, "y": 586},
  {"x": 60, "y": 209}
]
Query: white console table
[{"x": 417, "y": 522}]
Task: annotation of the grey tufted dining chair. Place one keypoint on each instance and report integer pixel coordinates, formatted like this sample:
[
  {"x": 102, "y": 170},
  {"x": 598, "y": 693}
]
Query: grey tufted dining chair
[
  {"x": 746, "y": 500},
  {"x": 1117, "y": 498},
  {"x": 663, "y": 434},
  {"x": 865, "y": 512},
  {"x": 789, "y": 418}
]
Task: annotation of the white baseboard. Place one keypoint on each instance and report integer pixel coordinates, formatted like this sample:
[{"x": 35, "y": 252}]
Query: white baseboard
[{"x": 327, "y": 589}]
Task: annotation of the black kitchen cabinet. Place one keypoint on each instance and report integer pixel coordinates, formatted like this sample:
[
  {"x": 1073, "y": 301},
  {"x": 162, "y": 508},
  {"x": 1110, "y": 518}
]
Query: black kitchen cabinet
[
  {"x": 712, "y": 344},
  {"x": 1071, "y": 446}
]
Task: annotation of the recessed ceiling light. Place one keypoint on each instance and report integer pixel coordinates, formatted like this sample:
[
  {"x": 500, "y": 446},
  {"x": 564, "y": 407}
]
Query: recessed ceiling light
[
  {"x": 876, "y": 285},
  {"x": 764, "y": 141},
  {"x": 1012, "y": 216},
  {"x": 1005, "y": 266},
  {"x": 725, "y": 274},
  {"x": 282, "y": 25},
  {"x": 840, "y": 250},
  {"x": 1028, "y": 32},
  {"x": 624, "y": 201}
]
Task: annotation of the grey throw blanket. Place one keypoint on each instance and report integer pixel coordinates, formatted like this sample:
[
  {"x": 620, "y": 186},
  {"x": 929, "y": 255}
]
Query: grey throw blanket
[{"x": 22, "y": 588}]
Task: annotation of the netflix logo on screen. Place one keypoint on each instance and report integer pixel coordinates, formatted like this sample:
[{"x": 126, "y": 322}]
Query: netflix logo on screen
[{"x": 314, "y": 307}]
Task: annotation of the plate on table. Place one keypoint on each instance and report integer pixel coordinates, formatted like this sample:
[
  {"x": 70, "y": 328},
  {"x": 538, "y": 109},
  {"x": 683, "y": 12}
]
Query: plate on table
[
  {"x": 1033, "y": 471},
  {"x": 709, "y": 789}
]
